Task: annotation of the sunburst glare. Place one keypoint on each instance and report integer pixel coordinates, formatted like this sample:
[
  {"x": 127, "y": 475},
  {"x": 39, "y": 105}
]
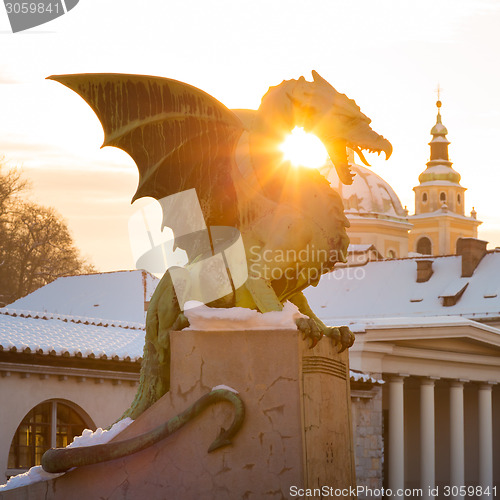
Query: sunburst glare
[{"x": 303, "y": 149}]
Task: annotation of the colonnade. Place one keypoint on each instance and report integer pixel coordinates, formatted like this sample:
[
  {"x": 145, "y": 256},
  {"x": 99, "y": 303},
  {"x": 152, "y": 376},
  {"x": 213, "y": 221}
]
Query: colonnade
[{"x": 396, "y": 450}]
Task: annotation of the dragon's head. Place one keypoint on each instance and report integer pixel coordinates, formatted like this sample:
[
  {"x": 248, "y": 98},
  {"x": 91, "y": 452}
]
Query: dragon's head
[
  {"x": 333, "y": 117},
  {"x": 338, "y": 122}
]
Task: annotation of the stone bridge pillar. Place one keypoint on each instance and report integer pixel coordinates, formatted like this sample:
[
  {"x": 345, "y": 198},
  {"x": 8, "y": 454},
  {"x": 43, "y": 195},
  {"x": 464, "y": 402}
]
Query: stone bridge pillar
[{"x": 297, "y": 431}]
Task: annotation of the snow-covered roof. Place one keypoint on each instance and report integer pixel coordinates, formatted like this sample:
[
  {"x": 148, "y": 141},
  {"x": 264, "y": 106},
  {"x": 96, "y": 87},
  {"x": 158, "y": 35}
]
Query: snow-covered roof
[
  {"x": 62, "y": 337},
  {"x": 383, "y": 289},
  {"x": 438, "y": 183},
  {"x": 359, "y": 248},
  {"x": 108, "y": 296},
  {"x": 439, "y": 213},
  {"x": 410, "y": 322},
  {"x": 357, "y": 376}
]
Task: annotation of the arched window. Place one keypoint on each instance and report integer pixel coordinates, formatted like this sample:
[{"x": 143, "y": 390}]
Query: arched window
[
  {"x": 51, "y": 424},
  {"x": 424, "y": 197},
  {"x": 424, "y": 246},
  {"x": 459, "y": 198},
  {"x": 391, "y": 254},
  {"x": 442, "y": 197}
]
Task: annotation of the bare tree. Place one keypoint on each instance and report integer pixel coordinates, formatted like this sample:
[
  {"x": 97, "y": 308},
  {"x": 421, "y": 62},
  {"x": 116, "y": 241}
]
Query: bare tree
[
  {"x": 36, "y": 246},
  {"x": 11, "y": 185}
]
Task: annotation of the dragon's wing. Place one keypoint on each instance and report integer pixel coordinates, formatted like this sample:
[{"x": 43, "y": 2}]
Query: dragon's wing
[{"x": 179, "y": 136}]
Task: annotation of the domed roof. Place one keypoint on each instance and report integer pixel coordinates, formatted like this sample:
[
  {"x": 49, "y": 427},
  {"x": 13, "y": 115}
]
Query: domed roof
[
  {"x": 368, "y": 194},
  {"x": 439, "y": 172},
  {"x": 439, "y": 129}
]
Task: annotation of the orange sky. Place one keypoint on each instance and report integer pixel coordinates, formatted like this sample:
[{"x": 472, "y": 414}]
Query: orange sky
[{"x": 385, "y": 55}]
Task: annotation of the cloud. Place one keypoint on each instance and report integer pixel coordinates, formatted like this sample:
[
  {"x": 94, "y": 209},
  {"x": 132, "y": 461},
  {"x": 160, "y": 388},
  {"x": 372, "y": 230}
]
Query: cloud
[
  {"x": 25, "y": 146},
  {"x": 47, "y": 157},
  {"x": 7, "y": 78}
]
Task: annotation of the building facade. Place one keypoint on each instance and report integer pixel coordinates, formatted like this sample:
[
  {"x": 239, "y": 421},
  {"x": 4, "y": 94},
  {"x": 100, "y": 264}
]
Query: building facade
[
  {"x": 430, "y": 328},
  {"x": 70, "y": 356}
]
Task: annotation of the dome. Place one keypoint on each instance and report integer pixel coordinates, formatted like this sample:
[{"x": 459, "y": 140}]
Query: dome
[
  {"x": 439, "y": 128},
  {"x": 439, "y": 172},
  {"x": 368, "y": 194}
]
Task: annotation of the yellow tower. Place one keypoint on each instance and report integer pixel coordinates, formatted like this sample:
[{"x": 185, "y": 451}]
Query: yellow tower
[{"x": 439, "y": 218}]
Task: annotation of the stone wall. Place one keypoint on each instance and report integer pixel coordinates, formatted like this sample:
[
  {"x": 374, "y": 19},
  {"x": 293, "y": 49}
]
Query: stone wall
[{"x": 368, "y": 436}]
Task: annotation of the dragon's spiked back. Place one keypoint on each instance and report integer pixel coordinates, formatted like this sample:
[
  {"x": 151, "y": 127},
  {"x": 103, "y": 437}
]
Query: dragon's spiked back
[{"x": 179, "y": 136}]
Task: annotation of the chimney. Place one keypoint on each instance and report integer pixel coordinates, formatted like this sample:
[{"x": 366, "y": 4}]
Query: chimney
[
  {"x": 424, "y": 270},
  {"x": 472, "y": 251}
]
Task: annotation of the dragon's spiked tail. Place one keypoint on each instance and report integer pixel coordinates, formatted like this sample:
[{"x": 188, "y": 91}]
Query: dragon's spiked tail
[{"x": 63, "y": 459}]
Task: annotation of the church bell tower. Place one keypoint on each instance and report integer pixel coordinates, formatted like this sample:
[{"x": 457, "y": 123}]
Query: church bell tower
[{"x": 440, "y": 218}]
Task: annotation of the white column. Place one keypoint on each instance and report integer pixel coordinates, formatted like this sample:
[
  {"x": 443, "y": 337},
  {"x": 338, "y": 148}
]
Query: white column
[
  {"x": 427, "y": 437},
  {"x": 396, "y": 434},
  {"x": 457, "y": 461},
  {"x": 485, "y": 438}
]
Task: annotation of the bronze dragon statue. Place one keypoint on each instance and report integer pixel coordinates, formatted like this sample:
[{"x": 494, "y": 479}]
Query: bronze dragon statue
[{"x": 182, "y": 138}]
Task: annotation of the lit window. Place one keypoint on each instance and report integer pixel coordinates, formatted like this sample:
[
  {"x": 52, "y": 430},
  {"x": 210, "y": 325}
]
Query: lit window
[
  {"x": 391, "y": 254},
  {"x": 52, "y": 424}
]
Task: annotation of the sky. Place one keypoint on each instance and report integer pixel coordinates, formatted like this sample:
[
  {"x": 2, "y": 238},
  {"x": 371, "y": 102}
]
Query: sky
[{"x": 388, "y": 55}]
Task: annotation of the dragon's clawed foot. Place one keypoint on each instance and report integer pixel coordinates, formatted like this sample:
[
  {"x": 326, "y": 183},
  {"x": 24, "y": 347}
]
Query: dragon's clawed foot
[
  {"x": 341, "y": 336},
  {"x": 310, "y": 330},
  {"x": 180, "y": 323}
]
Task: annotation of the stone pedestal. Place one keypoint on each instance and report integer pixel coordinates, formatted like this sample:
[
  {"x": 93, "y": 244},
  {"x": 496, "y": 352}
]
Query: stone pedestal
[{"x": 296, "y": 434}]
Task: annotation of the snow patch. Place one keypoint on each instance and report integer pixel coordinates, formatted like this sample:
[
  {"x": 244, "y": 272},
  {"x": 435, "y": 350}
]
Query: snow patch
[
  {"x": 34, "y": 475},
  {"x": 88, "y": 438},
  {"x": 204, "y": 318},
  {"x": 100, "y": 436}
]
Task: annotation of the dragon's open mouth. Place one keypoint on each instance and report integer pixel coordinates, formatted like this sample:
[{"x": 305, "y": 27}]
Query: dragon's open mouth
[{"x": 338, "y": 155}]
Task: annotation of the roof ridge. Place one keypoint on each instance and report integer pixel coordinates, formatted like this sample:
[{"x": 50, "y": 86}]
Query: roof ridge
[
  {"x": 102, "y": 272},
  {"x": 23, "y": 313}
]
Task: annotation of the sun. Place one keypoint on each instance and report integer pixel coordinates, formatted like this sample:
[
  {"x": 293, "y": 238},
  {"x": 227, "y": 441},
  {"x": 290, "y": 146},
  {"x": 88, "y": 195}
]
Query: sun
[{"x": 303, "y": 149}]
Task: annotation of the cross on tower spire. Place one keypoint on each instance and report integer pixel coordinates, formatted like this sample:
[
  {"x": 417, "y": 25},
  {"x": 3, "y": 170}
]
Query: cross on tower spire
[{"x": 438, "y": 92}]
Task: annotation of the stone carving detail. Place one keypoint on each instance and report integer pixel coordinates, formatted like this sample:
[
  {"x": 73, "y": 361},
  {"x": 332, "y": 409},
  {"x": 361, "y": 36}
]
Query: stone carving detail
[{"x": 320, "y": 364}]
